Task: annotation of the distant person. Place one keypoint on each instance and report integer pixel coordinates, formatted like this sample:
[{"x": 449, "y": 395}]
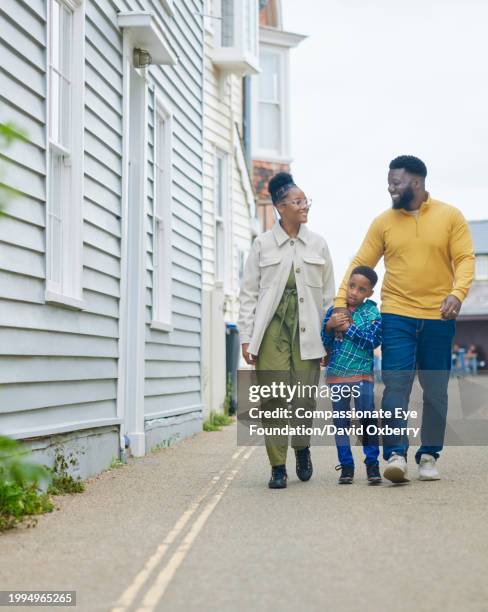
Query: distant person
[
  {"x": 377, "y": 364},
  {"x": 288, "y": 285},
  {"x": 350, "y": 369},
  {"x": 429, "y": 262},
  {"x": 454, "y": 357},
  {"x": 471, "y": 359}
]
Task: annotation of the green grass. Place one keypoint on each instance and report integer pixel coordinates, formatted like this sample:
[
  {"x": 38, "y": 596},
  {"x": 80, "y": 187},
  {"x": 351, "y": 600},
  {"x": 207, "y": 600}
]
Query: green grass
[
  {"x": 116, "y": 463},
  {"x": 216, "y": 421}
]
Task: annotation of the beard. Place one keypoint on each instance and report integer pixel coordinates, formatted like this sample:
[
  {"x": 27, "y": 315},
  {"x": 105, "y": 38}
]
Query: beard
[{"x": 405, "y": 200}]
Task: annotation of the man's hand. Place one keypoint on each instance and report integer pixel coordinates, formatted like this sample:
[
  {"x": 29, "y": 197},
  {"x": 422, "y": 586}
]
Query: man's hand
[
  {"x": 343, "y": 326},
  {"x": 450, "y": 307},
  {"x": 343, "y": 310},
  {"x": 337, "y": 320},
  {"x": 248, "y": 358}
]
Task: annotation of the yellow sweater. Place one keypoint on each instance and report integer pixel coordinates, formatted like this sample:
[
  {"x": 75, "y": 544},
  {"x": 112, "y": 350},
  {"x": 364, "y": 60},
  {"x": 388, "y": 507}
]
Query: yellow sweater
[{"x": 426, "y": 258}]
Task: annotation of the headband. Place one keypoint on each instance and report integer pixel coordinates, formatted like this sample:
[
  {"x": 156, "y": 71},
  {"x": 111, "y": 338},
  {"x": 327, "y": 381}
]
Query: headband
[{"x": 281, "y": 192}]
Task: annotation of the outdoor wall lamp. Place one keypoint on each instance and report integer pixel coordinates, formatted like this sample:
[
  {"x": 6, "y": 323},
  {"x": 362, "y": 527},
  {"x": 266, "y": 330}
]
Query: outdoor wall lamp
[{"x": 142, "y": 58}]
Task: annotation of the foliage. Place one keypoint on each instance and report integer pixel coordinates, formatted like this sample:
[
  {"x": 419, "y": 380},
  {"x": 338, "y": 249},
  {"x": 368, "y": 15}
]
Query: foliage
[
  {"x": 20, "y": 496},
  {"x": 229, "y": 392},
  {"x": 9, "y": 134},
  {"x": 216, "y": 421},
  {"x": 62, "y": 481},
  {"x": 116, "y": 463},
  {"x": 166, "y": 443}
]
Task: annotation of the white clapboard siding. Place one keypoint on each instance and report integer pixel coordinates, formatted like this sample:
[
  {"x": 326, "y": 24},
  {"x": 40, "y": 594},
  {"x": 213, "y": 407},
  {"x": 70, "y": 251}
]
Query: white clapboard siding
[
  {"x": 223, "y": 109},
  {"x": 172, "y": 369},
  {"x": 58, "y": 367}
]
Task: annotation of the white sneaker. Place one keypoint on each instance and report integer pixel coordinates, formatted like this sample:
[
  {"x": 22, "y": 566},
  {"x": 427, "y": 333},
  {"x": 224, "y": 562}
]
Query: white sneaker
[
  {"x": 396, "y": 470},
  {"x": 428, "y": 469}
]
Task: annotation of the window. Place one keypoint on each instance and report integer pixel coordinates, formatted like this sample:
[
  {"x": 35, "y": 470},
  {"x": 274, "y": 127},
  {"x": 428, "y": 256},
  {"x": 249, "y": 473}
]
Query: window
[
  {"x": 162, "y": 257},
  {"x": 236, "y": 35},
  {"x": 65, "y": 153},
  {"x": 270, "y": 103},
  {"x": 481, "y": 270},
  {"x": 221, "y": 214}
]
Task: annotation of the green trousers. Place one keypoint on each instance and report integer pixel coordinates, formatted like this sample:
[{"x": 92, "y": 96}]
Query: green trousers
[{"x": 279, "y": 360}]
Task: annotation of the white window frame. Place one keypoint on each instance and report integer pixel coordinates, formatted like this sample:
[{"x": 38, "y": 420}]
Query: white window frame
[
  {"x": 282, "y": 154},
  {"x": 66, "y": 209},
  {"x": 238, "y": 17},
  {"x": 222, "y": 268},
  {"x": 162, "y": 308},
  {"x": 481, "y": 267}
]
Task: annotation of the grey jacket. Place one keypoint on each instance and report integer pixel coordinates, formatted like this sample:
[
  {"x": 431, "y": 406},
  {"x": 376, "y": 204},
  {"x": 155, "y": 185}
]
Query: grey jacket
[{"x": 265, "y": 275}]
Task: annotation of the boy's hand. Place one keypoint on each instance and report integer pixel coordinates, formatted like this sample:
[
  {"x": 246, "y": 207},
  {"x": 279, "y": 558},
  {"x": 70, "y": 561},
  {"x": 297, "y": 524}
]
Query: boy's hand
[{"x": 337, "y": 319}]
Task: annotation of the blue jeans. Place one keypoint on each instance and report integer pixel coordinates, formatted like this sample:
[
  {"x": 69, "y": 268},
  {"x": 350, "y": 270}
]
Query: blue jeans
[
  {"x": 411, "y": 344},
  {"x": 365, "y": 402}
]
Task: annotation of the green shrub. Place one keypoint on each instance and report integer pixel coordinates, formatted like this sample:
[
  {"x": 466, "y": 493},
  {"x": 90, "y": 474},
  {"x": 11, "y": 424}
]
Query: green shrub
[
  {"x": 20, "y": 496},
  {"x": 62, "y": 482},
  {"x": 216, "y": 421}
]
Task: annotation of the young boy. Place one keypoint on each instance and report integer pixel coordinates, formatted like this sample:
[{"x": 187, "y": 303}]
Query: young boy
[{"x": 350, "y": 338}]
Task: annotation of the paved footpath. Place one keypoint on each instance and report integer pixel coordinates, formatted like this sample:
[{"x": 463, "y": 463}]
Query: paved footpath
[{"x": 194, "y": 527}]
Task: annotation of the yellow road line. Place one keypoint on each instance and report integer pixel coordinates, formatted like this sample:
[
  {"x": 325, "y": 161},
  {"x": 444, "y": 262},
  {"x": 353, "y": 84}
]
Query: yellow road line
[
  {"x": 156, "y": 592},
  {"x": 129, "y": 595}
]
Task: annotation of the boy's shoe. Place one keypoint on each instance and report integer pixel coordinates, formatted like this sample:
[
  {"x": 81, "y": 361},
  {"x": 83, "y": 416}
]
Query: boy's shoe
[
  {"x": 347, "y": 474},
  {"x": 373, "y": 473},
  {"x": 304, "y": 464},
  {"x": 396, "y": 470},
  {"x": 428, "y": 468},
  {"x": 278, "y": 477}
]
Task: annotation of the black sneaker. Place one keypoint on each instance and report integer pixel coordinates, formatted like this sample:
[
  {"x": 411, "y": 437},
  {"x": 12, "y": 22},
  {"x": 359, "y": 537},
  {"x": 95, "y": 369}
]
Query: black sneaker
[
  {"x": 304, "y": 464},
  {"x": 278, "y": 477},
  {"x": 374, "y": 476},
  {"x": 347, "y": 474}
]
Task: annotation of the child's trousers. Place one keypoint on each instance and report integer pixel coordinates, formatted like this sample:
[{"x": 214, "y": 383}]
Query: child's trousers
[{"x": 365, "y": 402}]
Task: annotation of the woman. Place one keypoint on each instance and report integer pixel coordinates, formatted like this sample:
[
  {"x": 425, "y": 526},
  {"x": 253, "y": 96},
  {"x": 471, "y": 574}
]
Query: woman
[{"x": 288, "y": 285}]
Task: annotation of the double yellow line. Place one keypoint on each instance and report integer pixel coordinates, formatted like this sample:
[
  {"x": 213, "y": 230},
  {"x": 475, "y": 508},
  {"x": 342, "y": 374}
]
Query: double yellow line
[{"x": 202, "y": 507}]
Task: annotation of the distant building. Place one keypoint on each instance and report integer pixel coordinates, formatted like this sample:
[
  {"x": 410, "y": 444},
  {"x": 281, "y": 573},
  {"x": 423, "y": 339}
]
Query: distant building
[
  {"x": 271, "y": 105},
  {"x": 472, "y": 323},
  {"x": 229, "y": 207}
]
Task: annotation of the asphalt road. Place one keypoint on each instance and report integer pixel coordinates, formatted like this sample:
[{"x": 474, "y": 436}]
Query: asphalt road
[{"x": 194, "y": 527}]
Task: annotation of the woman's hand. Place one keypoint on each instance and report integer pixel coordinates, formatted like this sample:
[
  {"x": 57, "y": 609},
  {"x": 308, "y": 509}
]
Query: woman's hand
[
  {"x": 248, "y": 358},
  {"x": 324, "y": 362}
]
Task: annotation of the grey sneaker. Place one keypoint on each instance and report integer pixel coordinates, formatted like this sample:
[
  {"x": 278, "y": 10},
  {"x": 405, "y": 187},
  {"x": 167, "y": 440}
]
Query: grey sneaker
[
  {"x": 428, "y": 468},
  {"x": 396, "y": 470}
]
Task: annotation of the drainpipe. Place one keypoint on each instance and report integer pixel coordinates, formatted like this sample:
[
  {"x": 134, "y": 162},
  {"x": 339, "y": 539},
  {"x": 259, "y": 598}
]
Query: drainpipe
[{"x": 246, "y": 120}]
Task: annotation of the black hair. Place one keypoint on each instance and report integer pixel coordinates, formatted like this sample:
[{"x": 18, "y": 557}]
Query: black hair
[
  {"x": 411, "y": 164},
  {"x": 368, "y": 272},
  {"x": 279, "y": 185}
]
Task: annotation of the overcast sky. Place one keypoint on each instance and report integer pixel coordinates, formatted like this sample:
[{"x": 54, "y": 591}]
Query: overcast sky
[{"x": 380, "y": 78}]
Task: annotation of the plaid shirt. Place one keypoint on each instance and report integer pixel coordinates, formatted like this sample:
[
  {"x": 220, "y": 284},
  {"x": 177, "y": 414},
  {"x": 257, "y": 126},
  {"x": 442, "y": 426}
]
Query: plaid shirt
[{"x": 353, "y": 356}]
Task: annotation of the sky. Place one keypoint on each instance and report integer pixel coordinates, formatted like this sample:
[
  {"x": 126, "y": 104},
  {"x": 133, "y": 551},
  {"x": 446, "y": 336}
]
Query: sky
[{"x": 380, "y": 78}]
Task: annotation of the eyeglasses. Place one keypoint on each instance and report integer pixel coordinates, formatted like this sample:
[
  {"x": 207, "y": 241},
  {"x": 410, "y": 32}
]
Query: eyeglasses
[{"x": 302, "y": 203}]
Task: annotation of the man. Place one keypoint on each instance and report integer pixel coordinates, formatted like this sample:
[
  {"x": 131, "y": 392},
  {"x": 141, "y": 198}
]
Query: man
[{"x": 429, "y": 267}]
